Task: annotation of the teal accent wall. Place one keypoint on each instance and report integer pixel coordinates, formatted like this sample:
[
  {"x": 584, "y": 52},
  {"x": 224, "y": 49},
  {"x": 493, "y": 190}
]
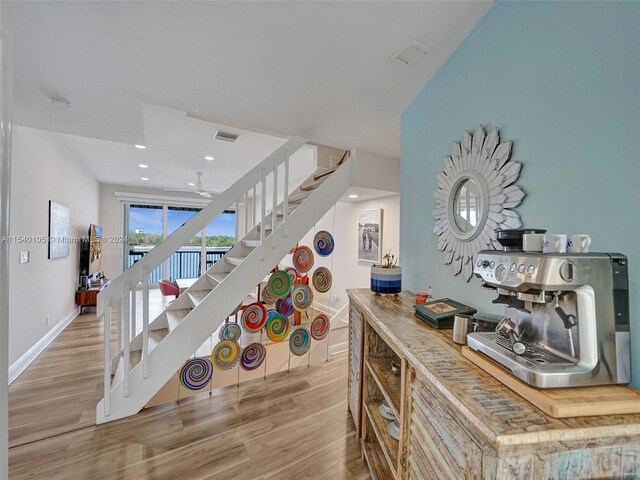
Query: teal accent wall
[{"x": 562, "y": 81}]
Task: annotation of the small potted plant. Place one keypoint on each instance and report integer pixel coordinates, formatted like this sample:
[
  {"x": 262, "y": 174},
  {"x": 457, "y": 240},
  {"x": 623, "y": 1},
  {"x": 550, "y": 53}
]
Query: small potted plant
[{"x": 387, "y": 278}]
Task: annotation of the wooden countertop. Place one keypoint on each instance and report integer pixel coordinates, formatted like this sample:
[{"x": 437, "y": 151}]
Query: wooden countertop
[{"x": 500, "y": 415}]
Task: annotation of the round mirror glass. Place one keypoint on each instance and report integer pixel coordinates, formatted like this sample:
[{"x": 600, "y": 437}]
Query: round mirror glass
[{"x": 467, "y": 206}]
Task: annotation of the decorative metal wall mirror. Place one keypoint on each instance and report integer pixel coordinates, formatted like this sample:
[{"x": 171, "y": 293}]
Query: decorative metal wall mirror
[{"x": 474, "y": 197}]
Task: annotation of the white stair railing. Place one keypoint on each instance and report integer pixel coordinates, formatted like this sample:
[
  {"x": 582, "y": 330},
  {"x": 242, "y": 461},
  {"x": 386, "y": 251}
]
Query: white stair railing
[{"x": 119, "y": 296}]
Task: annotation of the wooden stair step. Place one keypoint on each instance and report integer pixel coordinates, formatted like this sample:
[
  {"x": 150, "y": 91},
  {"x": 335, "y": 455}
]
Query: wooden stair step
[
  {"x": 307, "y": 187},
  {"x": 324, "y": 173},
  {"x": 298, "y": 197},
  {"x": 175, "y": 317}
]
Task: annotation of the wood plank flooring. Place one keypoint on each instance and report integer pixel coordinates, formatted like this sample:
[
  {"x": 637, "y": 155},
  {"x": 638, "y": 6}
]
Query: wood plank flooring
[{"x": 291, "y": 426}]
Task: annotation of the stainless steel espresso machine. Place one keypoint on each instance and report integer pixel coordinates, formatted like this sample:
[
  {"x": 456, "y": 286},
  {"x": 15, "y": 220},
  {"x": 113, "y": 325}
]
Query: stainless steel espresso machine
[{"x": 569, "y": 317}]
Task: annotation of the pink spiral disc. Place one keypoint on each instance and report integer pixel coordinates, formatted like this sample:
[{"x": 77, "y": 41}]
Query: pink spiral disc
[
  {"x": 253, "y": 317},
  {"x": 320, "y": 327}
]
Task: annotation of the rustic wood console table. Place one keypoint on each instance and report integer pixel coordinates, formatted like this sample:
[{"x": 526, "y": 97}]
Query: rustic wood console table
[{"x": 456, "y": 421}]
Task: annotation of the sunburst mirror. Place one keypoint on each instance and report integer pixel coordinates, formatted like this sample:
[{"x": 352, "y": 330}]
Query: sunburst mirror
[{"x": 475, "y": 196}]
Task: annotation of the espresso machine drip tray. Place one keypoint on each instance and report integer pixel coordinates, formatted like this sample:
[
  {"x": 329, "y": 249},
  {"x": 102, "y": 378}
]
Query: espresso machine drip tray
[{"x": 534, "y": 355}]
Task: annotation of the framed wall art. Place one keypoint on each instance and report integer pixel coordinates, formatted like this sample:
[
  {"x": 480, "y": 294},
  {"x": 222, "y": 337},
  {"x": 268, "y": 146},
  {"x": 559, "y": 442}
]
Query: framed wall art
[
  {"x": 370, "y": 235},
  {"x": 59, "y": 246}
]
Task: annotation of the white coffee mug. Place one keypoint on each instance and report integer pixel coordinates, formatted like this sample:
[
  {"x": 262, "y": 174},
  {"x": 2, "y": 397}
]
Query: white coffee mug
[
  {"x": 578, "y": 243},
  {"x": 554, "y": 243},
  {"x": 532, "y": 242}
]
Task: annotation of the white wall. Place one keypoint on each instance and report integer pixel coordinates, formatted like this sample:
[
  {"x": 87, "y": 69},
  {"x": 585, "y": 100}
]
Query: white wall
[
  {"x": 43, "y": 170},
  {"x": 348, "y": 272}
]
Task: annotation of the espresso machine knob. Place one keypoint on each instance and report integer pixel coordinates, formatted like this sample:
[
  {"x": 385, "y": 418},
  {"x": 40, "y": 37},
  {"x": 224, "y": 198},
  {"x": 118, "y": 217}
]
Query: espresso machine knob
[
  {"x": 567, "y": 271},
  {"x": 485, "y": 263},
  {"x": 501, "y": 273}
]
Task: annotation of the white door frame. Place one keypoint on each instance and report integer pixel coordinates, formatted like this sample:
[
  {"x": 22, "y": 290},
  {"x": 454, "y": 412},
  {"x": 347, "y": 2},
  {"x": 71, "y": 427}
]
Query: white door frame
[{"x": 5, "y": 197}]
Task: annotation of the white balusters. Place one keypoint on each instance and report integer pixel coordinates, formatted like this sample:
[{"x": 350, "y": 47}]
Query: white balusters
[
  {"x": 107, "y": 357},
  {"x": 254, "y": 206},
  {"x": 127, "y": 338},
  {"x": 275, "y": 203},
  {"x": 133, "y": 311},
  {"x": 245, "y": 211},
  {"x": 145, "y": 323},
  {"x": 263, "y": 207},
  {"x": 286, "y": 193}
]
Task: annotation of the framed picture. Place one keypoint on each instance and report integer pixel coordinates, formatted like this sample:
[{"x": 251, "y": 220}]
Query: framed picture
[
  {"x": 370, "y": 235},
  {"x": 59, "y": 242}
]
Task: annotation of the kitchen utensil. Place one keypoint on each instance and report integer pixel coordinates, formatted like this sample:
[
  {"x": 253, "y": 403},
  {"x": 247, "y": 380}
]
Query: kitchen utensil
[
  {"x": 462, "y": 325},
  {"x": 486, "y": 322},
  {"x": 507, "y": 328}
]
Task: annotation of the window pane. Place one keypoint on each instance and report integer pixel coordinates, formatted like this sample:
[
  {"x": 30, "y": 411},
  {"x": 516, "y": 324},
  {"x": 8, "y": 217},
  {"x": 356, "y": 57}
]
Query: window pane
[
  {"x": 185, "y": 263},
  {"x": 144, "y": 232},
  {"x": 221, "y": 236}
]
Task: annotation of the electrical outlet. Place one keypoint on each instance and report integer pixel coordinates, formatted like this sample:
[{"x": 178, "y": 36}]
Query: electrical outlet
[
  {"x": 46, "y": 321},
  {"x": 24, "y": 257}
]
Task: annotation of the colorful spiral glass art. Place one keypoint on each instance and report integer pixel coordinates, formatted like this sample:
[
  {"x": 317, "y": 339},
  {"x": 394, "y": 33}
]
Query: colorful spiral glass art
[
  {"x": 196, "y": 373},
  {"x": 303, "y": 259},
  {"x": 299, "y": 341},
  {"x": 323, "y": 243},
  {"x": 322, "y": 279},
  {"x": 320, "y": 327}
]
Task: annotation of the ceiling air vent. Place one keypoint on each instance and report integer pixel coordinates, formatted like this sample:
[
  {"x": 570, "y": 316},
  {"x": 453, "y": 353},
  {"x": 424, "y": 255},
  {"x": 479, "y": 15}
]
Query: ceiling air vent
[
  {"x": 225, "y": 136},
  {"x": 410, "y": 53}
]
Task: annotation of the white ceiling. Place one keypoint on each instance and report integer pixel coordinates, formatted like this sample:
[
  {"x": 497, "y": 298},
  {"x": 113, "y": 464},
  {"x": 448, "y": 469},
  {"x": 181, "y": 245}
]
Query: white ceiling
[{"x": 317, "y": 69}]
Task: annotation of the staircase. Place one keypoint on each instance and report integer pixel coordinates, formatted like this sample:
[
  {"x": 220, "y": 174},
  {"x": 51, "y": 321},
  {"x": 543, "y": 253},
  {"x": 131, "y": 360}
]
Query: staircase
[{"x": 143, "y": 363}]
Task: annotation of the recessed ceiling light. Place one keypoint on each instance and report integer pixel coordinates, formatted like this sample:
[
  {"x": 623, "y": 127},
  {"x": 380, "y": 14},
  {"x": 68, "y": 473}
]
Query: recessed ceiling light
[
  {"x": 353, "y": 195},
  {"x": 142, "y": 165},
  {"x": 144, "y": 178},
  {"x": 141, "y": 147},
  {"x": 209, "y": 157},
  {"x": 191, "y": 184}
]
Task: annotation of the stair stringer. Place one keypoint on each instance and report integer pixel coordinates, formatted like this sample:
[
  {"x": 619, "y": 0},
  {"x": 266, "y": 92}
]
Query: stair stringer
[{"x": 206, "y": 317}]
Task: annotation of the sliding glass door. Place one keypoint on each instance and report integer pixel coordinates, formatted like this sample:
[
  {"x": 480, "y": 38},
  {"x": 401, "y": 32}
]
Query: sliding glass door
[{"x": 148, "y": 225}]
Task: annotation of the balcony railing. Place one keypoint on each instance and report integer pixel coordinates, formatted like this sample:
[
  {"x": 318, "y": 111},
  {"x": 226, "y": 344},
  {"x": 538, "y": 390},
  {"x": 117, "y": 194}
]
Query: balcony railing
[{"x": 184, "y": 263}]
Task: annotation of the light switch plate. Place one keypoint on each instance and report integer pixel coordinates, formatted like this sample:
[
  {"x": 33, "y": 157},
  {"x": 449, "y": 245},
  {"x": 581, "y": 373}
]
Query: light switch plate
[{"x": 24, "y": 257}]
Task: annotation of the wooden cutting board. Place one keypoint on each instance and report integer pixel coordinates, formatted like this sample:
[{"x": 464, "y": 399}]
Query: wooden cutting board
[{"x": 564, "y": 402}]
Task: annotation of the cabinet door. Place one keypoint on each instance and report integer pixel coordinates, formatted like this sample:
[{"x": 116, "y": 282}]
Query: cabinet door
[
  {"x": 437, "y": 444},
  {"x": 356, "y": 346}
]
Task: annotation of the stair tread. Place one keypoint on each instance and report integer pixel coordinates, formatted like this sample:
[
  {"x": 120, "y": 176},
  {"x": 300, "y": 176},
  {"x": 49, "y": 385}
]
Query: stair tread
[
  {"x": 324, "y": 173},
  {"x": 251, "y": 243},
  {"x": 175, "y": 317},
  {"x": 156, "y": 336},
  {"x": 234, "y": 260},
  {"x": 135, "y": 356},
  {"x": 306, "y": 187},
  {"x": 198, "y": 295},
  {"x": 218, "y": 277},
  {"x": 298, "y": 197}
]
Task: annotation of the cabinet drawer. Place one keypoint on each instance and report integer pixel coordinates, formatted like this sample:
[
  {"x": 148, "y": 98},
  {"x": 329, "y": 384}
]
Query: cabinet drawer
[{"x": 439, "y": 447}]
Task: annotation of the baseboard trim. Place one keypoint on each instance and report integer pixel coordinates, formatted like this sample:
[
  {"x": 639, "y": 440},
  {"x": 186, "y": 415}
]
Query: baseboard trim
[{"x": 30, "y": 355}]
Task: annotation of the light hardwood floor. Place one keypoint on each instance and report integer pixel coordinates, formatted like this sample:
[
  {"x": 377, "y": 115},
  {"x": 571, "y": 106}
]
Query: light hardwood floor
[{"x": 291, "y": 426}]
